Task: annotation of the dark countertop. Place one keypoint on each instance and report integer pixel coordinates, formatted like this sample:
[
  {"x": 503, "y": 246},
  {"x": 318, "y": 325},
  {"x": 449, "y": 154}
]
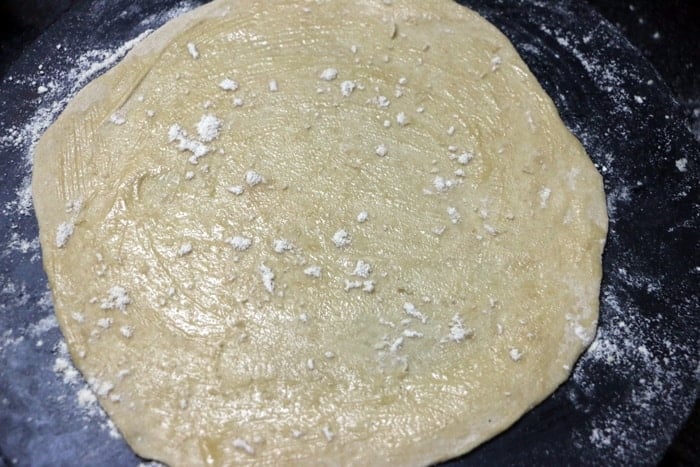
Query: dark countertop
[{"x": 665, "y": 32}]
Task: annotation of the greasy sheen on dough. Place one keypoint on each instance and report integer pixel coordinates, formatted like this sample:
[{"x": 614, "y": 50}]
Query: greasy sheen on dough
[{"x": 330, "y": 232}]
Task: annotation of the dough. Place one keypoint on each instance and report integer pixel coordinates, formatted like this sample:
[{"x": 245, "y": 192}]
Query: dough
[{"x": 319, "y": 233}]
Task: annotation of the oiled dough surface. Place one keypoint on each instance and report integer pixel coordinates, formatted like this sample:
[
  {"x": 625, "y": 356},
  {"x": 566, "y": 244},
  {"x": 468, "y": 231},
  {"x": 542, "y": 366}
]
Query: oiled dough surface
[{"x": 319, "y": 233}]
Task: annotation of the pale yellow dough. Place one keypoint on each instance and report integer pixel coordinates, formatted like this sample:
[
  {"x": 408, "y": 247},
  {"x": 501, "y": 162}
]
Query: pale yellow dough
[{"x": 460, "y": 302}]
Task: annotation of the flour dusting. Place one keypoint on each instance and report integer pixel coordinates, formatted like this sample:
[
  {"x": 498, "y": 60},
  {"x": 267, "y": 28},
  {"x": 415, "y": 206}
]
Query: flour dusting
[{"x": 631, "y": 388}]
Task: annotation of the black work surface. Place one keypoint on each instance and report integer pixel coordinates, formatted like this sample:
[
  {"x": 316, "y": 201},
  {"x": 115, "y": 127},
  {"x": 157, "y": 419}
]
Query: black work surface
[{"x": 628, "y": 396}]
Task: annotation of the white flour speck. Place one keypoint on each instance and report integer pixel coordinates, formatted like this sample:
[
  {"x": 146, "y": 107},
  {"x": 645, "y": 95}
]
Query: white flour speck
[
  {"x": 465, "y": 158},
  {"x": 544, "y": 196},
  {"x": 313, "y": 271},
  {"x": 453, "y": 215},
  {"x": 228, "y": 84},
  {"x": 362, "y": 269},
  {"x": 243, "y": 445},
  {"x": 347, "y": 87},
  {"x": 117, "y": 297},
  {"x": 192, "y": 49},
  {"x": 236, "y": 189},
  {"x": 341, "y": 238},
  {"x": 208, "y": 128},
  {"x": 515, "y": 354},
  {"x": 328, "y": 433},
  {"x": 268, "y": 278},
  {"x": 184, "y": 249},
  {"x": 402, "y": 119},
  {"x": 117, "y": 119},
  {"x": 682, "y": 164},
  {"x": 253, "y": 178},
  {"x": 413, "y": 312},
  {"x": 240, "y": 243},
  {"x": 63, "y": 233},
  {"x": 329, "y": 74},
  {"x": 282, "y": 245},
  {"x": 458, "y": 332}
]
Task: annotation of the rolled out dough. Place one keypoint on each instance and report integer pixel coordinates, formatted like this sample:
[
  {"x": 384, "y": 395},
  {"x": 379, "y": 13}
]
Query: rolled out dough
[{"x": 343, "y": 232}]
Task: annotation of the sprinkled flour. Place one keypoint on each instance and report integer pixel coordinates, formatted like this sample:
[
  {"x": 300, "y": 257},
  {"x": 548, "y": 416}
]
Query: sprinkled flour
[
  {"x": 639, "y": 373},
  {"x": 253, "y": 178},
  {"x": 240, "y": 243},
  {"x": 65, "y": 230},
  {"x": 208, "y": 128},
  {"x": 341, "y": 238},
  {"x": 329, "y": 74},
  {"x": 29, "y": 334},
  {"x": 228, "y": 84},
  {"x": 347, "y": 87}
]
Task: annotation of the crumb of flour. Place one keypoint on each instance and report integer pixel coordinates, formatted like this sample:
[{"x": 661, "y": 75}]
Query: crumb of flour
[
  {"x": 682, "y": 164},
  {"x": 208, "y": 128}
]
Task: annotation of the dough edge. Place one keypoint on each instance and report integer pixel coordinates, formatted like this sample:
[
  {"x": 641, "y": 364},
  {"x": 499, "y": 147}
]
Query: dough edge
[{"x": 49, "y": 209}]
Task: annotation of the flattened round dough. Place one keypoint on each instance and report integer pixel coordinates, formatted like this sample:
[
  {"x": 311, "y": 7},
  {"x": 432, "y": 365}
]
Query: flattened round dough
[{"x": 319, "y": 232}]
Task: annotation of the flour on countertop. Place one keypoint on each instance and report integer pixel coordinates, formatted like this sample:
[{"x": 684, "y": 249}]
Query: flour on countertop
[
  {"x": 42, "y": 326},
  {"x": 631, "y": 348},
  {"x": 682, "y": 164},
  {"x": 41, "y": 339}
]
